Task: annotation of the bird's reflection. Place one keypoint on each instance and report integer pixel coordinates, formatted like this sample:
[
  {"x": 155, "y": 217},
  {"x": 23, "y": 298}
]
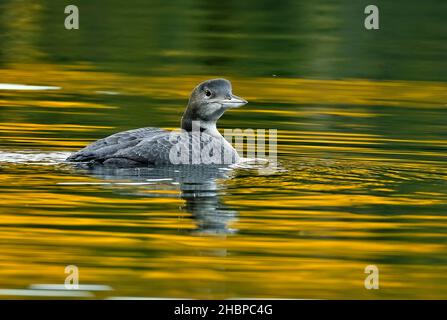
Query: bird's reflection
[{"x": 201, "y": 187}]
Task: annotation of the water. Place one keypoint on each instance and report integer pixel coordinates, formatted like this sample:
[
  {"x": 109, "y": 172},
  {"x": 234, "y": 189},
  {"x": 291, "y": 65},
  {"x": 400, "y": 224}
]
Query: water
[{"x": 362, "y": 151}]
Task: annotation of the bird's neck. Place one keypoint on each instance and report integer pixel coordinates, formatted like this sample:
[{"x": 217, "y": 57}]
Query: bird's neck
[{"x": 209, "y": 127}]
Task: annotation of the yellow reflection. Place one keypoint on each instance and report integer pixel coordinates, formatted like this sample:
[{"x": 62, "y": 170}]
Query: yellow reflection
[
  {"x": 305, "y": 233},
  {"x": 285, "y": 90}
]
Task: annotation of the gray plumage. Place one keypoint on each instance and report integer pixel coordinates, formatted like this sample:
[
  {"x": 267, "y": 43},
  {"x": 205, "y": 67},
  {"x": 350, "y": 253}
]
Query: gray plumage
[{"x": 199, "y": 138}]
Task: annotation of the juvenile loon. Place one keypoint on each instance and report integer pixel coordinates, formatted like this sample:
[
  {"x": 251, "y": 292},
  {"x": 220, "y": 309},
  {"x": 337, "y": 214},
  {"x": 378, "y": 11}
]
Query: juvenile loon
[{"x": 155, "y": 146}]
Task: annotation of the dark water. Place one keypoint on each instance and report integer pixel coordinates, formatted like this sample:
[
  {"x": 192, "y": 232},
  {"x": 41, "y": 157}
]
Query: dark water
[{"x": 362, "y": 150}]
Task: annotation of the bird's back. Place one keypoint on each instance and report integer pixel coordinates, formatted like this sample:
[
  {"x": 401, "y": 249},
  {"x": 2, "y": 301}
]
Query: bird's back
[{"x": 114, "y": 145}]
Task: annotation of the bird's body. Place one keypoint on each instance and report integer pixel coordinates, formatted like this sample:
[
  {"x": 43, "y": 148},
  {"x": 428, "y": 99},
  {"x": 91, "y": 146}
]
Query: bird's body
[
  {"x": 146, "y": 146},
  {"x": 199, "y": 141}
]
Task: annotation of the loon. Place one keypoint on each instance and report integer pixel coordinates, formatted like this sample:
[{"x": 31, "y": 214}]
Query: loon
[{"x": 155, "y": 146}]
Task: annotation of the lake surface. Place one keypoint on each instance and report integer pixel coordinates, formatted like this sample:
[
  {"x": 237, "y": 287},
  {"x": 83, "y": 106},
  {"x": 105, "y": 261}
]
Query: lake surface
[{"x": 361, "y": 139}]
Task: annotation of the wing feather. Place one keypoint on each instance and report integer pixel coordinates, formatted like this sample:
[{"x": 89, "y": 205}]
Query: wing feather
[{"x": 107, "y": 147}]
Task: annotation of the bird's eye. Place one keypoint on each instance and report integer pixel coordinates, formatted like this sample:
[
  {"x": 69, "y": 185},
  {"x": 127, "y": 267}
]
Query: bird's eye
[{"x": 208, "y": 93}]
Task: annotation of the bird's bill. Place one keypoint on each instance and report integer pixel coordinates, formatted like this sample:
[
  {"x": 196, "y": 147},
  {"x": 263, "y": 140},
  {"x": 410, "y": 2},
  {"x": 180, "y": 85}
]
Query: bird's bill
[{"x": 234, "y": 102}]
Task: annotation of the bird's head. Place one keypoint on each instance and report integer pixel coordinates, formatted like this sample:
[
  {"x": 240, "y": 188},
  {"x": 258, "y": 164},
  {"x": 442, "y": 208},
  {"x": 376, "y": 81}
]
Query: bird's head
[{"x": 208, "y": 102}]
